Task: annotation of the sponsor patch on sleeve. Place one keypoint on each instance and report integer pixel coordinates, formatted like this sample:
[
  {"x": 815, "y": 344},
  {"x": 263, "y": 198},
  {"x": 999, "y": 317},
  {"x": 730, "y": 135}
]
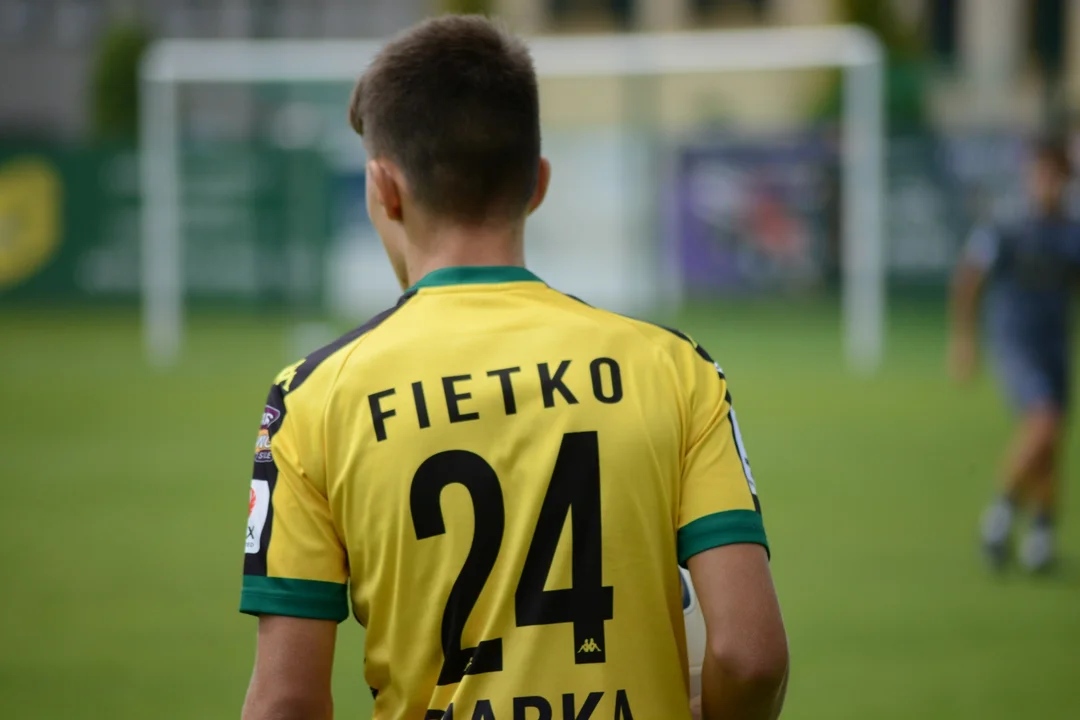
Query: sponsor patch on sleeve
[
  {"x": 258, "y": 506},
  {"x": 262, "y": 447},
  {"x": 263, "y": 453},
  {"x": 270, "y": 416}
]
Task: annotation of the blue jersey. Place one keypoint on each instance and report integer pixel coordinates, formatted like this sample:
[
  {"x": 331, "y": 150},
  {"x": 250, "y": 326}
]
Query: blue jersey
[{"x": 1031, "y": 268}]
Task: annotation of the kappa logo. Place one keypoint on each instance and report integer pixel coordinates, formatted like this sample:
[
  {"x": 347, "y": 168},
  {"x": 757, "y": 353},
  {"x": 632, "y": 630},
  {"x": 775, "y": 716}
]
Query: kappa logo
[
  {"x": 285, "y": 377},
  {"x": 589, "y": 646}
]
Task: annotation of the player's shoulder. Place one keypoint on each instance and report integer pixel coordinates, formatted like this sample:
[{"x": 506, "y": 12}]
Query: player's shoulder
[
  {"x": 645, "y": 334},
  {"x": 1006, "y": 230},
  {"x": 1006, "y": 222},
  {"x": 318, "y": 368}
]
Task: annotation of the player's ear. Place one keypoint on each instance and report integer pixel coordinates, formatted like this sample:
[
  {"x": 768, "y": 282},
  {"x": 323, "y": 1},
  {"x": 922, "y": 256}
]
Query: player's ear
[
  {"x": 543, "y": 179},
  {"x": 386, "y": 183}
]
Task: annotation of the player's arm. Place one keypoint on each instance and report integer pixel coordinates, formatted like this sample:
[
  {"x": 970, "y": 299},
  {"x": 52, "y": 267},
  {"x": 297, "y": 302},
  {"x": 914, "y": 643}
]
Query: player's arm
[
  {"x": 722, "y": 541},
  {"x": 293, "y": 665},
  {"x": 967, "y": 284},
  {"x": 295, "y": 569},
  {"x": 746, "y": 660}
]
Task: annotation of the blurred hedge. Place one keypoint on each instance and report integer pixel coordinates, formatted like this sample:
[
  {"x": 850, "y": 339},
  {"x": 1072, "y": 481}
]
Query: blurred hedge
[
  {"x": 906, "y": 64},
  {"x": 468, "y": 7},
  {"x": 115, "y": 83}
]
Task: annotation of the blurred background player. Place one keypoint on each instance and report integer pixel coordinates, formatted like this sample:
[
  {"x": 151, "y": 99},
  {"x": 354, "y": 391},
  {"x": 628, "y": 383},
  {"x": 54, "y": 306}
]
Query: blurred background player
[{"x": 1027, "y": 269}]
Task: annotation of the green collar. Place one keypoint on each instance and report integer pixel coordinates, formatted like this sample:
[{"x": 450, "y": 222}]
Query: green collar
[{"x": 474, "y": 275}]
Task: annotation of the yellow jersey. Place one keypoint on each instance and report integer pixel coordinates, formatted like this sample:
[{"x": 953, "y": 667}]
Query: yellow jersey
[{"x": 499, "y": 480}]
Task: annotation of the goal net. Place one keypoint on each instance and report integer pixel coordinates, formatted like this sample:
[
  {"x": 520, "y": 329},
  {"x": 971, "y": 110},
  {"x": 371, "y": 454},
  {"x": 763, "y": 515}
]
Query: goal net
[{"x": 684, "y": 167}]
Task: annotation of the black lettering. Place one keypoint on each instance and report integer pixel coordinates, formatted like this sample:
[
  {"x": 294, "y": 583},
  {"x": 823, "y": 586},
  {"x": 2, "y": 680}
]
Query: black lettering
[
  {"x": 453, "y": 396},
  {"x": 550, "y": 383},
  {"x": 574, "y": 492},
  {"x": 460, "y": 467},
  {"x": 421, "y": 405},
  {"x": 378, "y": 415},
  {"x": 507, "y": 388},
  {"x": 521, "y": 704},
  {"x": 586, "y": 709},
  {"x": 447, "y": 714},
  {"x": 598, "y": 384},
  {"x": 483, "y": 711},
  {"x": 622, "y": 706}
]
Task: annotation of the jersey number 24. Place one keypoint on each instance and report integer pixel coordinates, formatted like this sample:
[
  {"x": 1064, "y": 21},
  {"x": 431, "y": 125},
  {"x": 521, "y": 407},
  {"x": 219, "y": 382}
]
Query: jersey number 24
[{"x": 575, "y": 483}]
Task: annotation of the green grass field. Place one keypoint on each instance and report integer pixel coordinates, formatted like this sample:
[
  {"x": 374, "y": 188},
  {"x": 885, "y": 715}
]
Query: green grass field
[{"x": 123, "y": 492}]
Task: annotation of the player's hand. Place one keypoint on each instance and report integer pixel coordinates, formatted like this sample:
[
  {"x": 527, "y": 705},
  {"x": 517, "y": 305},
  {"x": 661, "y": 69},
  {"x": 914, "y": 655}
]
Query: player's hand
[
  {"x": 963, "y": 358},
  {"x": 695, "y": 708}
]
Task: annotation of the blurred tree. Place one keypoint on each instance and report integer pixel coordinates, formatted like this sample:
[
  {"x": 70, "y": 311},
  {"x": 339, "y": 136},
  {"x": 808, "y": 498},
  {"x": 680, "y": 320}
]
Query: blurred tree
[
  {"x": 1048, "y": 24},
  {"x": 906, "y": 63},
  {"x": 468, "y": 7},
  {"x": 115, "y": 83}
]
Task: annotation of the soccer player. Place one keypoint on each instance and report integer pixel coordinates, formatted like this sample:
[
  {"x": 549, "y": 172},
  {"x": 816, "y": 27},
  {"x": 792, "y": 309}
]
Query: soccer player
[
  {"x": 496, "y": 479},
  {"x": 1027, "y": 269}
]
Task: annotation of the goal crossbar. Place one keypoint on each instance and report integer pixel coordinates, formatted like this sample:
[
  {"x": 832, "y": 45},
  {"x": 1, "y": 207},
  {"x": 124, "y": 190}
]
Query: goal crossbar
[
  {"x": 172, "y": 63},
  {"x": 569, "y": 56}
]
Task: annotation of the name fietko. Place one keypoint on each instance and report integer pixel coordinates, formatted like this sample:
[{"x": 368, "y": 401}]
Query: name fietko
[{"x": 604, "y": 383}]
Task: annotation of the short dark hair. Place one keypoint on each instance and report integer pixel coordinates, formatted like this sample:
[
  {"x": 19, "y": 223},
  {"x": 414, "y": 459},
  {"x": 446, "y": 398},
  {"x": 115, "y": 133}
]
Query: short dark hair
[
  {"x": 1055, "y": 151},
  {"x": 454, "y": 102}
]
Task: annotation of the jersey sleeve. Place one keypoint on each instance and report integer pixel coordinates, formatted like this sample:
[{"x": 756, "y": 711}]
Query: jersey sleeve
[
  {"x": 294, "y": 563},
  {"x": 718, "y": 499}
]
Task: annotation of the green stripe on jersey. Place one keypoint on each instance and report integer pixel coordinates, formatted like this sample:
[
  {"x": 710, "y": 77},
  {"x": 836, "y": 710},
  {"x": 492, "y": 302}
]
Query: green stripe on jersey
[
  {"x": 475, "y": 275},
  {"x": 314, "y": 599},
  {"x": 723, "y": 528}
]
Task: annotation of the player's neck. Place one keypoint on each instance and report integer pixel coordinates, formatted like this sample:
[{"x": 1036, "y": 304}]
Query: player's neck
[{"x": 460, "y": 246}]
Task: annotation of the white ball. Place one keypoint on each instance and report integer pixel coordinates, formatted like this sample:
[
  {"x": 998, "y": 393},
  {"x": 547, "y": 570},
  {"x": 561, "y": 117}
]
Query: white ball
[{"x": 695, "y": 631}]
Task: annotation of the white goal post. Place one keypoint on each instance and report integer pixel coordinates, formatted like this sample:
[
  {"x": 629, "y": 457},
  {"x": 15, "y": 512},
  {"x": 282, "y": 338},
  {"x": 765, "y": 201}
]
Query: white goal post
[{"x": 172, "y": 63}]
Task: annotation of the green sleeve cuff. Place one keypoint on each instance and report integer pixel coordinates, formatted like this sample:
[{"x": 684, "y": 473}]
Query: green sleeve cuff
[
  {"x": 731, "y": 527},
  {"x": 313, "y": 599}
]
